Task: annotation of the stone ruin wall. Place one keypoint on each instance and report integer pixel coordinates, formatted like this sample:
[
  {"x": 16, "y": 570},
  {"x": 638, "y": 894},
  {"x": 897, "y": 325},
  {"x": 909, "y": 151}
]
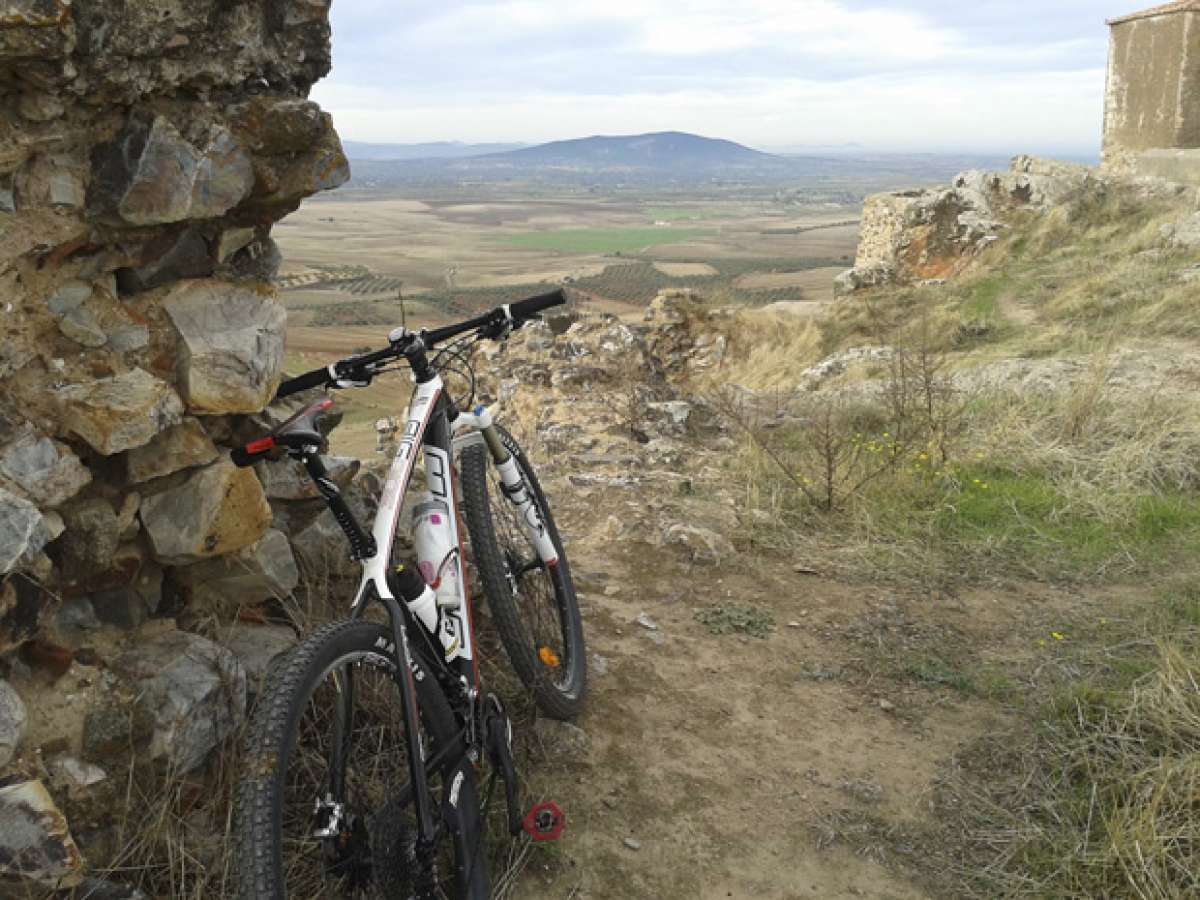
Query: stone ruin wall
[
  {"x": 1152, "y": 100},
  {"x": 146, "y": 150},
  {"x": 930, "y": 235}
]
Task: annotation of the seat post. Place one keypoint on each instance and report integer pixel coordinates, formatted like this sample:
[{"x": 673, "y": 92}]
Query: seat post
[{"x": 362, "y": 545}]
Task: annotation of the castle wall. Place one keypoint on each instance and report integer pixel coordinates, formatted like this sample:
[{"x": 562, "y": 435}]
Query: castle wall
[{"x": 1152, "y": 102}]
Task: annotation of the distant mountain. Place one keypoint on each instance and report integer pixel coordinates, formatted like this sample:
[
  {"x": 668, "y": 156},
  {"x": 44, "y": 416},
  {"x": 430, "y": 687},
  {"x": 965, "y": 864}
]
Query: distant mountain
[
  {"x": 662, "y": 159},
  {"x": 435, "y": 150},
  {"x": 667, "y": 150}
]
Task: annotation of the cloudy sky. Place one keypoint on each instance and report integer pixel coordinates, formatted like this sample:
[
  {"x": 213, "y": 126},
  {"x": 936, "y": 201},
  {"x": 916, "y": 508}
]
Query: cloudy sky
[{"x": 935, "y": 75}]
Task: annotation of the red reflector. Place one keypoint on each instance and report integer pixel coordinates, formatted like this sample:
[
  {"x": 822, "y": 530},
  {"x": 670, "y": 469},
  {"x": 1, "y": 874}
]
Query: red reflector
[
  {"x": 323, "y": 405},
  {"x": 260, "y": 446}
]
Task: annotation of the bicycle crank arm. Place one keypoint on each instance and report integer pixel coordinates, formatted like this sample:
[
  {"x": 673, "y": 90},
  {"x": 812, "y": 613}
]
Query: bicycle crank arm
[{"x": 498, "y": 742}]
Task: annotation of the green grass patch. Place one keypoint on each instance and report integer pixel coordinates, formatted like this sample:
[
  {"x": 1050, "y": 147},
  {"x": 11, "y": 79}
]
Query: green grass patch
[
  {"x": 983, "y": 301},
  {"x": 679, "y": 214},
  {"x": 936, "y": 672},
  {"x": 603, "y": 240},
  {"x": 1098, "y": 799},
  {"x": 1025, "y": 518}
]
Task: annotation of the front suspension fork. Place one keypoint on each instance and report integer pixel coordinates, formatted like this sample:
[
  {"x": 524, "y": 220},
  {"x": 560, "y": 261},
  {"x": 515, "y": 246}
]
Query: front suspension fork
[{"x": 517, "y": 491}]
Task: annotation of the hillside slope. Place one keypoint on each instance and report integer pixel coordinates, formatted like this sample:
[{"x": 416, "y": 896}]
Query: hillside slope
[{"x": 892, "y": 584}]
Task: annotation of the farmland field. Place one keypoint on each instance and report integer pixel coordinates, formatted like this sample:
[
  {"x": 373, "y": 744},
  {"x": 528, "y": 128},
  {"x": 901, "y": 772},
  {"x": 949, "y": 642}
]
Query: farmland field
[
  {"x": 597, "y": 240},
  {"x": 350, "y": 256}
]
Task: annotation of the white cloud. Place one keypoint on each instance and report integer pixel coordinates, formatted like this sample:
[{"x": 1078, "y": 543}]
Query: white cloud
[
  {"x": 913, "y": 73},
  {"x": 703, "y": 27}
]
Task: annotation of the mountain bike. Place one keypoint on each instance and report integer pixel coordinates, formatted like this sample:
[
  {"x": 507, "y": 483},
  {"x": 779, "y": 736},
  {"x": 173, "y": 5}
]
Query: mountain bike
[{"x": 361, "y": 776}]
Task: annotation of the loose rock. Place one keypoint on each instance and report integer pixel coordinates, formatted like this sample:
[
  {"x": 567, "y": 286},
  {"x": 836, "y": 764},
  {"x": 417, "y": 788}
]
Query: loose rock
[
  {"x": 75, "y": 773},
  {"x": 22, "y": 531},
  {"x": 41, "y": 469},
  {"x": 82, "y": 326},
  {"x": 265, "y": 569},
  {"x": 703, "y": 545},
  {"x": 91, "y": 536},
  {"x": 257, "y": 647},
  {"x": 646, "y": 622},
  {"x": 111, "y": 732},
  {"x": 35, "y": 843},
  {"x": 13, "y": 721},
  {"x": 195, "y": 690}
]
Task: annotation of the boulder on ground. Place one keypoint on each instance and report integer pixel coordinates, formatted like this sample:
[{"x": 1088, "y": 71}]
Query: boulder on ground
[
  {"x": 702, "y": 545},
  {"x": 231, "y": 345},
  {"x": 219, "y": 509},
  {"x": 194, "y": 689},
  {"x": 1184, "y": 234},
  {"x": 35, "y": 842},
  {"x": 257, "y": 647}
]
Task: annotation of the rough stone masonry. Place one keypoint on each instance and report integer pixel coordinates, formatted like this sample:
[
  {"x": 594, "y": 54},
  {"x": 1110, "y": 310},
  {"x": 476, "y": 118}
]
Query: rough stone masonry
[
  {"x": 146, "y": 149},
  {"x": 1152, "y": 101}
]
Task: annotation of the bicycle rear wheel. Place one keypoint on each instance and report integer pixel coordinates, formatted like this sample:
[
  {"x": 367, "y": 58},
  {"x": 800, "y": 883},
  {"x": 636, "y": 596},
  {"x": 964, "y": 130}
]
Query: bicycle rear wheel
[
  {"x": 534, "y": 605},
  {"x": 332, "y": 711}
]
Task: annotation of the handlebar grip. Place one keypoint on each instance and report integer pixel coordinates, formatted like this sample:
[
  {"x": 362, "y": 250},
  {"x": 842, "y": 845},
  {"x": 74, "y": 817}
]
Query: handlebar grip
[
  {"x": 527, "y": 309},
  {"x": 315, "y": 378}
]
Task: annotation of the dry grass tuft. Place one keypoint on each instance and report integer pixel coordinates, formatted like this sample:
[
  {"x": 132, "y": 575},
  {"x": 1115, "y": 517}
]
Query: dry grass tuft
[
  {"x": 769, "y": 350},
  {"x": 1101, "y": 803}
]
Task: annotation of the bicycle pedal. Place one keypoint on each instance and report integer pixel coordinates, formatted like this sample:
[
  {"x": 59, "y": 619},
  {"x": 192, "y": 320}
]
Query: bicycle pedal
[{"x": 545, "y": 822}]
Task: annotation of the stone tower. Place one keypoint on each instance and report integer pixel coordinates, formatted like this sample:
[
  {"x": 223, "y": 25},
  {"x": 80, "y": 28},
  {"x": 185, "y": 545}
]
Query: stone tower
[{"x": 1152, "y": 104}]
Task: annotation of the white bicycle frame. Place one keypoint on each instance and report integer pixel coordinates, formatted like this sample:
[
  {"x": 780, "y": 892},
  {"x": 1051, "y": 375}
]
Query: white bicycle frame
[{"x": 440, "y": 479}]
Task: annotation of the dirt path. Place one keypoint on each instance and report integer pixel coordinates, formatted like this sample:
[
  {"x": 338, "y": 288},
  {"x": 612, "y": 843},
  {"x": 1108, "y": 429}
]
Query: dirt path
[{"x": 776, "y": 768}]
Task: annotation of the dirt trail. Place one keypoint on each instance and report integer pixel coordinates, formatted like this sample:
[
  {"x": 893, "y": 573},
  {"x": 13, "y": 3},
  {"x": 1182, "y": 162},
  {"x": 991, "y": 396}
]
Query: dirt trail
[
  {"x": 721, "y": 766},
  {"x": 740, "y": 766}
]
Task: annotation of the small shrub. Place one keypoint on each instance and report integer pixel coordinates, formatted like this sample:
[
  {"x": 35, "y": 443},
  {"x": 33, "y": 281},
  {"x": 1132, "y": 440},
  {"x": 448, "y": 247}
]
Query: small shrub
[{"x": 739, "y": 618}]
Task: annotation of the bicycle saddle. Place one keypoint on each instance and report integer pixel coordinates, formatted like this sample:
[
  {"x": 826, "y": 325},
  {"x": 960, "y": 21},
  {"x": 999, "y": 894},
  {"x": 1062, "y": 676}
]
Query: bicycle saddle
[{"x": 300, "y": 431}]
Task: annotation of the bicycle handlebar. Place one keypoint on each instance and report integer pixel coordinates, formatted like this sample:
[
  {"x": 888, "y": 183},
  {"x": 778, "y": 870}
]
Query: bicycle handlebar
[
  {"x": 527, "y": 309},
  {"x": 494, "y": 324},
  {"x": 315, "y": 378}
]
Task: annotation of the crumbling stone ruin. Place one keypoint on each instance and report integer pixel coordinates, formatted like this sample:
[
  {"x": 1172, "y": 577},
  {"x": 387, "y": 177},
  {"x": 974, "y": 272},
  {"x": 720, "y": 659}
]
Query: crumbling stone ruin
[
  {"x": 146, "y": 149},
  {"x": 1152, "y": 104},
  {"x": 1151, "y": 136},
  {"x": 928, "y": 235},
  {"x": 931, "y": 235}
]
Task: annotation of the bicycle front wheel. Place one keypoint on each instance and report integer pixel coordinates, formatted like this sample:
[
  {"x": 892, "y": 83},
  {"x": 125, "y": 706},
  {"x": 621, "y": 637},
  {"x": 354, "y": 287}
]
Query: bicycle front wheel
[
  {"x": 534, "y": 605},
  {"x": 324, "y": 803}
]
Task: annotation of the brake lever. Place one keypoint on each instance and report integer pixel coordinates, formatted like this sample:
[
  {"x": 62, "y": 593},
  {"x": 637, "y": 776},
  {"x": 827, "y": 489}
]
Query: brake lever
[
  {"x": 500, "y": 331},
  {"x": 356, "y": 378}
]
